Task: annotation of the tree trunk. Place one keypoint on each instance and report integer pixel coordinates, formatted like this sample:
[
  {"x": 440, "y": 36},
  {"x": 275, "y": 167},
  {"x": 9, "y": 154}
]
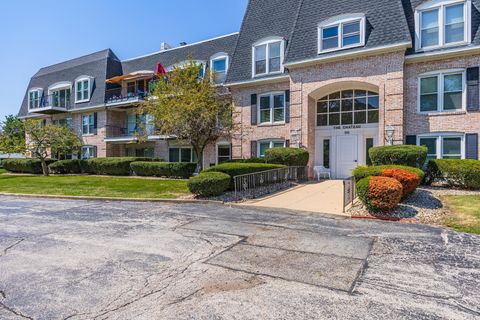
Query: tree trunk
[
  {"x": 199, "y": 158},
  {"x": 44, "y": 167}
]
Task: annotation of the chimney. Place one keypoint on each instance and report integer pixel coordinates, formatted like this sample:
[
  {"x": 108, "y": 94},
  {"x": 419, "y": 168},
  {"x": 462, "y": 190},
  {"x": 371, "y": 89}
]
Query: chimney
[
  {"x": 182, "y": 44},
  {"x": 165, "y": 46}
]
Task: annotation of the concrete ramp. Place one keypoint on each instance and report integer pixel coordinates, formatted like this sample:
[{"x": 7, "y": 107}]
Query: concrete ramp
[{"x": 321, "y": 197}]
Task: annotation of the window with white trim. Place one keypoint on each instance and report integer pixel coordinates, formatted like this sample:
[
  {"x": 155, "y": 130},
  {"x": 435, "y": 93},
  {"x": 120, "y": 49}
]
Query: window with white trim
[
  {"x": 89, "y": 152},
  {"x": 34, "y": 97},
  {"x": 88, "y": 124},
  {"x": 219, "y": 66},
  {"x": 224, "y": 152},
  {"x": 181, "y": 154},
  {"x": 443, "y": 91},
  {"x": 272, "y": 108},
  {"x": 264, "y": 145},
  {"x": 268, "y": 57},
  {"x": 443, "y": 23},
  {"x": 341, "y": 32},
  {"x": 443, "y": 146},
  {"x": 82, "y": 90}
]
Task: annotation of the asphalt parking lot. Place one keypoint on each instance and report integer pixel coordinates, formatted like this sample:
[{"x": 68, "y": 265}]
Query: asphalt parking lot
[{"x": 72, "y": 259}]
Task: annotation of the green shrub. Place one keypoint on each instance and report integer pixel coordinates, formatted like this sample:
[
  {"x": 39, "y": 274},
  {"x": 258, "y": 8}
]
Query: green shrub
[
  {"x": 29, "y": 165},
  {"x": 463, "y": 174},
  {"x": 287, "y": 156},
  {"x": 249, "y": 160},
  {"x": 65, "y": 167},
  {"x": 114, "y": 166},
  {"x": 209, "y": 184},
  {"x": 163, "y": 169},
  {"x": 237, "y": 169},
  {"x": 405, "y": 155},
  {"x": 368, "y": 171}
]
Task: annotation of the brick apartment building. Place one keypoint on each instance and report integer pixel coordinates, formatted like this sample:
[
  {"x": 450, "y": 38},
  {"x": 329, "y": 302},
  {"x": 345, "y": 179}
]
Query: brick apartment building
[{"x": 333, "y": 77}]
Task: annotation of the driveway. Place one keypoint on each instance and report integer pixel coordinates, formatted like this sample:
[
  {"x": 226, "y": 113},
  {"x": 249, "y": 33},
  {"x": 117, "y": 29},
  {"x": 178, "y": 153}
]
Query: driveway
[{"x": 65, "y": 259}]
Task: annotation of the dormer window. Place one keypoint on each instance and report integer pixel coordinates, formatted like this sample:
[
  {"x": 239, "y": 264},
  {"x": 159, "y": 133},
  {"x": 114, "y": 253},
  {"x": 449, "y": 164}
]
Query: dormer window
[
  {"x": 341, "y": 32},
  {"x": 34, "y": 98},
  {"x": 83, "y": 88},
  {"x": 442, "y": 23},
  {"x": 268, "y": 57},
  {"x": 219, "y": 66}
]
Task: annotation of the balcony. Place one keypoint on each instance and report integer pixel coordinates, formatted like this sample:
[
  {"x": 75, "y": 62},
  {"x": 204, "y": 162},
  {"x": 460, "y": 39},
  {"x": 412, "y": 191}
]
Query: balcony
[
  {"x": 120, "y": 96},
  {"x": 123, "y": 134},
  {"x": 51, "y": 104}
]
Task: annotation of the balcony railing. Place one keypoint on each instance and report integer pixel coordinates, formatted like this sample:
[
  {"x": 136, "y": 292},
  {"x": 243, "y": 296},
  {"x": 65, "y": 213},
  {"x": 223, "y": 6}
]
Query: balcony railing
[
  {"x": 52, "y": 101},
  {"x": 118, "y": 95},
  {"x": 123, "y": 132}
]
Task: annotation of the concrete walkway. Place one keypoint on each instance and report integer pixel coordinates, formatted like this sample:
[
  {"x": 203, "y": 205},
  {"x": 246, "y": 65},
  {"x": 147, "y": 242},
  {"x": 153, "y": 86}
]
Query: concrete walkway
[{"x": 323, "y": 197}]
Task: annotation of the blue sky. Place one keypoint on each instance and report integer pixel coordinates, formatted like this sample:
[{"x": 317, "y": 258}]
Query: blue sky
[{"x": 35, "y": 34}]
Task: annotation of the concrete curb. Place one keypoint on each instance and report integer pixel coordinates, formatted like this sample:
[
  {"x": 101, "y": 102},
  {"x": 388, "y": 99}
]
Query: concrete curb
[{"x": 88, "y": 198}]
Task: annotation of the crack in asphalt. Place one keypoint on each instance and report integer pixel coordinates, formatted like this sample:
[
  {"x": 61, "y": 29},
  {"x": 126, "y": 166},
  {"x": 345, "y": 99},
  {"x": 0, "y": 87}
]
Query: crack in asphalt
[
  {"x": 11, "y": 246},
  {"x": 173, "y": 278},
  {"x": 15, "y": 312}
]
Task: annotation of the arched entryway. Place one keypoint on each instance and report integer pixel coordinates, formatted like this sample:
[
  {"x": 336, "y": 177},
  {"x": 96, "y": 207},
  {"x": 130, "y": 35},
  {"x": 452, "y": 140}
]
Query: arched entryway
[{"x": 346, "y": 126}]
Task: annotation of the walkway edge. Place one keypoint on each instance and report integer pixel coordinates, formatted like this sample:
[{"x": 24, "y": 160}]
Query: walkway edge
[{"x": 26, "y": 195}]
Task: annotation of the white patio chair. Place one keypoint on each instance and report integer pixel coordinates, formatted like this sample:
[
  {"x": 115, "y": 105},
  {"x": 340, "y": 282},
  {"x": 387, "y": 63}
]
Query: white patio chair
[{"x": 321, "y": 171}]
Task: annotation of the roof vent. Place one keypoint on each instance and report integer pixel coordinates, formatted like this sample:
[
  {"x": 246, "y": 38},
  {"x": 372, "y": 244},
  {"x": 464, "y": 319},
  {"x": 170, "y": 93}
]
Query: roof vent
[
  {"x": 165, "y": 46},
  {"x": 182, "y": 44}
]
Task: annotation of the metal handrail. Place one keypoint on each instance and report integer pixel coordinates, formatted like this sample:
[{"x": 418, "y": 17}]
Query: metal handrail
[
  {"x": 349, "y": 192},
  {"x": 117, "y": 95},
  {"x": 249, "y": 183}
]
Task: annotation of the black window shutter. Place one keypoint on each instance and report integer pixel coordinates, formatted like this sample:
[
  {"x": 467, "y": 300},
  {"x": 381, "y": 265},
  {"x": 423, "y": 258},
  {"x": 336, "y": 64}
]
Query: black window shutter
[
  {"x": 287, "y": 106},
  {"x": 411, "y": 140},
  {"x": 253, "y": 148},
  {"x": 473, "y": 90},
  {"x": 253, "y": 109},
  {"x": 287, "y": 143},
  {"x": 95, "y": 122},
  {"x": 471, "y": 146}
]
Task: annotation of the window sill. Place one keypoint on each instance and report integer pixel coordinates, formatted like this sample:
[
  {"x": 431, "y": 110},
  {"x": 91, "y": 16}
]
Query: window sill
[
  {"x": 446, "y": 46},
  {"x": 267, "y": 74},
  {"x": 270, "y": 124},
  {"x": 82, "y": 101},
  {"x": 442, "y": 113},
  {"x": 88, "y": 134}
]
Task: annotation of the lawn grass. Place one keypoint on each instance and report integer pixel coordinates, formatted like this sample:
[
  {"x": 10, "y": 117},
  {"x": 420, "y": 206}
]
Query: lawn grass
[
  {"x": 465, "y": 213},
  {"x": 2, "y": 170},
  {"x": 115, "y": 187}
]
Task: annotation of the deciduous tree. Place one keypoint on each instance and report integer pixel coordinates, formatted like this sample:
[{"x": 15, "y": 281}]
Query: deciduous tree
[{"x": 189, "y": 107}]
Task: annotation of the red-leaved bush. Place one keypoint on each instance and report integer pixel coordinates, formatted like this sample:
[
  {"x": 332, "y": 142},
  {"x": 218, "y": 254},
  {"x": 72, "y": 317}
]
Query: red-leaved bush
[
  {"x": 384, "y": 193},
  {"x": 409, "y": 180}
]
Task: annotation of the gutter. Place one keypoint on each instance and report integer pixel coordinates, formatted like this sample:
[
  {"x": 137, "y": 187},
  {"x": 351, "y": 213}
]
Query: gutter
[
  {"x": 254, "y": 82},
  {"x": 441, "y": 54},
  {"x": 350, "y": 55}
]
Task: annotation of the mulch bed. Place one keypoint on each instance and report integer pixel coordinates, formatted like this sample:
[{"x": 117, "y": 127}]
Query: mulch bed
[{"x": 423, "y": 206}]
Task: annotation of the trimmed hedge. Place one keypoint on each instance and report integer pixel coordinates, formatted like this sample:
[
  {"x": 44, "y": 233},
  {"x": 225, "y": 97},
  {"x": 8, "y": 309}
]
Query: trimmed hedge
[
  {"x": 163, "y": 169},
  {"x": 287, "y": 156},
  {"x": 29, "y": 165},
  {"x": 249, "y": 160},
  {"x": 405, "y": 155},
  {"x": 237, "y": 169},
  {"x": 463, "y": 174},
  {"x": 65, "y": 167},
  {"x": 409, "y": 180},
  {"x": 114, "y": 166},
  {"x": 368, "y": 171},
  {"x": 379, "y": 193},
  {"x": 208, "y": 184}
]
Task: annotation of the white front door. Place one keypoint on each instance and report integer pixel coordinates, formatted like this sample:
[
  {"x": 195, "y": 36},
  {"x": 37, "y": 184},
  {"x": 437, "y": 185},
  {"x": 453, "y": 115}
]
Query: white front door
[{"x": 347, "y": 155}]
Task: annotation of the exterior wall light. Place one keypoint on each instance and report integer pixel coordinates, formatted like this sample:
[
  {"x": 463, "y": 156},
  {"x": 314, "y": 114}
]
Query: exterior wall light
[
  {"x": 389, "y": 131},
  {"x": 295, "y": 136}
]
